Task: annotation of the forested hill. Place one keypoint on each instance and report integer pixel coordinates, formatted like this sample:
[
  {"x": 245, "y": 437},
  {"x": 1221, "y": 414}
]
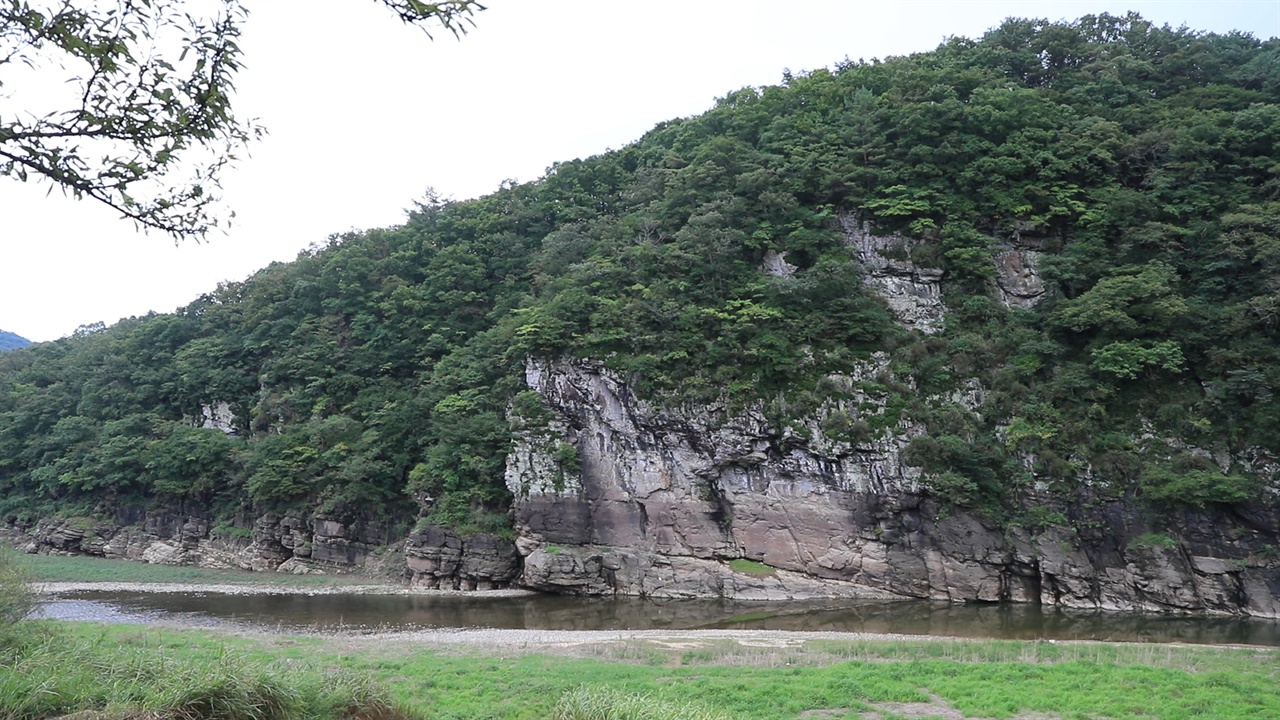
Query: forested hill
[
  {"x": 1141, "y": 163},
  {"x": 12, "y": 341}
]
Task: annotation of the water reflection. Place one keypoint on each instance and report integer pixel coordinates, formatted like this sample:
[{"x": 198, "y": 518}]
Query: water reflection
[{"x": 551, "y": 612}]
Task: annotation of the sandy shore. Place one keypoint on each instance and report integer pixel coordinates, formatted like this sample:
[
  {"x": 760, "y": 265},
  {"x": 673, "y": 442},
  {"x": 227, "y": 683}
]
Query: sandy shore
[
  {"x": 53, "y": 588},
  {"x": 548, "y": 639}
]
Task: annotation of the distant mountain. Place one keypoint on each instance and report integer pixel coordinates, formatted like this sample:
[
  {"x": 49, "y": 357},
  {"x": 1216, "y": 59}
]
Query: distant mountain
[{"x": 10, "y": 341}]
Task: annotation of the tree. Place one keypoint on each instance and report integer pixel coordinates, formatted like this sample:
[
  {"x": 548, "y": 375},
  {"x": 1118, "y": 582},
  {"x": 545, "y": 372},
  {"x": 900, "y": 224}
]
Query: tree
[{"x": 145, "y": 124}]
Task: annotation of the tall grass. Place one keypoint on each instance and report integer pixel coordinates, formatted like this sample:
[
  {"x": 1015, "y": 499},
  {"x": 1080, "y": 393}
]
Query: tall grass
[
  {"x": 53, "y": 674},
  {"x": 47, "y": 672},
  {"x": 602, "y": 703},
  {"x": 16, "y": 599}
]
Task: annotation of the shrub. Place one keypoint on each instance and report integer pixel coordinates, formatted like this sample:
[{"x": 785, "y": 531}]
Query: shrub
[{"x": 1197, "y": 486}]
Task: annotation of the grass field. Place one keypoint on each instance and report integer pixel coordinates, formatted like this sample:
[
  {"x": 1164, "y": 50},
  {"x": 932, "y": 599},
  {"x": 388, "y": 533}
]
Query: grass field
[
  {"x": 725, "y": 680},
  {"x": 888, "y": 680},
  {"x": 79, "y": 568}
]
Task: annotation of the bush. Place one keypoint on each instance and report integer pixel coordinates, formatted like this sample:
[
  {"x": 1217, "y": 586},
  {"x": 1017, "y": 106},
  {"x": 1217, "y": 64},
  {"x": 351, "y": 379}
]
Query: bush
[{"x": 1198, "y": 487}]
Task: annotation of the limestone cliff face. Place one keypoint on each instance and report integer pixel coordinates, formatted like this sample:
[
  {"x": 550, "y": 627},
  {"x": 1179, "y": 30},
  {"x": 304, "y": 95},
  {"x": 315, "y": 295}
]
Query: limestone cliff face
[{"x": 663, "y": 500}]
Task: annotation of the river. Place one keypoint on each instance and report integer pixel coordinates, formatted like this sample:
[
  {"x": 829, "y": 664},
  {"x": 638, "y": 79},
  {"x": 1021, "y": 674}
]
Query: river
[{"x": 366, "y": 613}]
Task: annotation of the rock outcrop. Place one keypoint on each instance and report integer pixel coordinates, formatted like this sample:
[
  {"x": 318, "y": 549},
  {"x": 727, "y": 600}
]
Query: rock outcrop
[
  {"x": 218, "y": 416},
  {"x": 912, "y": 292},
  {"x": 441, "y": 558},
  {"x": 664, "y": 502},
  {"x": 1018, "y": 282},
  {"x": 290, "y": 543}
]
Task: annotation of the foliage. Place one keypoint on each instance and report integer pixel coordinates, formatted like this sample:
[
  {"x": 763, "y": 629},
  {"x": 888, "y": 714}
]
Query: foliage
[
  {"x": 1197, "y": 487},
  {"x": 1153, "y": 540},
  {"x": 143, "y": 129},
  {"x": 386, "y": 367}
]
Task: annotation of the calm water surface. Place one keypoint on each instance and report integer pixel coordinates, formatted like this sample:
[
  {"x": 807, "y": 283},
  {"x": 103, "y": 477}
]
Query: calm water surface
[{"x": 553, "y": 612}]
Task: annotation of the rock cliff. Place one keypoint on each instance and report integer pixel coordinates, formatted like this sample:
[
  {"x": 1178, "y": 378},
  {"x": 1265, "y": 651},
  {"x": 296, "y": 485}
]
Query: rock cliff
[
  {"x": 703, "y": 501},
  {"x": 291, "y": 543},
  {"x": 682, "y": 503}
]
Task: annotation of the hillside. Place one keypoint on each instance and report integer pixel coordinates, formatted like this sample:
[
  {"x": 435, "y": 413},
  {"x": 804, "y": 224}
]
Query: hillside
[
  {"x": 1044, "y": 261},
  {"x": 12, "y": 341}
]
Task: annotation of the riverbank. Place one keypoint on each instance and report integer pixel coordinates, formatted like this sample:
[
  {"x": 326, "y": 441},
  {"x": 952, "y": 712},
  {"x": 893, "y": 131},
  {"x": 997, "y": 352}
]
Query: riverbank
[
  {"x": 248, "y": 588},
  {"x": 77, "y": 573},
  {"x": 752, "y": 675},
  {"x": 112, "y": 672}
]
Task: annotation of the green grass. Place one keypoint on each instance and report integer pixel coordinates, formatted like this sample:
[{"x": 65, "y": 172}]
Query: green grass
[
  {"x": 1067, "y": 682},
  {"x": 56, "y": 670},
  {"x": 96, "y": 672},
  {"x": 751, "y": 567},
  {"x": 726, "y": 679},
  {"x": 79, "y": 568},
  {"x": 587, "y": 703}
]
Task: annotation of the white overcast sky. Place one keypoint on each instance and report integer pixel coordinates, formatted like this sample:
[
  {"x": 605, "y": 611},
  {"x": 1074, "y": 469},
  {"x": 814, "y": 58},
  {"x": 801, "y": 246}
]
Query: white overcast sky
[{"x": 365, "y": 114}]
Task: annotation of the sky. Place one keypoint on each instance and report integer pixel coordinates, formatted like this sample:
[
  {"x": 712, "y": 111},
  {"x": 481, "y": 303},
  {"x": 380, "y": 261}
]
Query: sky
[{"x": 365, "y": 114}]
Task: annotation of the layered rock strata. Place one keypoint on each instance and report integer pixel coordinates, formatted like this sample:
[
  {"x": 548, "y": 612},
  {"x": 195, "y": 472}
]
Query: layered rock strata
[
  {"x": 289, "y": 543},
  {"x": 700, "y": 502},
  {"x": 441, "y": 558}
]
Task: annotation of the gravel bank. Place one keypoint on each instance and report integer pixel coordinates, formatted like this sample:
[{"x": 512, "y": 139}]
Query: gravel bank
[
  {"x": 53, "y": 588},
  {"x": 536, "y": 639}
]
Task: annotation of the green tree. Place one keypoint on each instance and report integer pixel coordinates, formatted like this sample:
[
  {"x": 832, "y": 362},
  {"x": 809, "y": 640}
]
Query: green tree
[{"x": 146, "y": 132}]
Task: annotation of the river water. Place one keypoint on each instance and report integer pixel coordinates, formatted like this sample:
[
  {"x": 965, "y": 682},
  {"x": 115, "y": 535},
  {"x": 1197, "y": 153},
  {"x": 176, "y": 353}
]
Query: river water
[{"x": 553, "y": 612}]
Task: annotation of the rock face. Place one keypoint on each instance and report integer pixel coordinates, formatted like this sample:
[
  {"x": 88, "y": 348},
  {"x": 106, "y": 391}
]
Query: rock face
[
  {"x": 218, "y": 416},
  {"x": 290, "y": 543},
  {"x": 913, "y": 293},
  {"x": 1018, "y": 282},
  {"x": 440, "y": 558},
  {"x": 663, "y": 501}
]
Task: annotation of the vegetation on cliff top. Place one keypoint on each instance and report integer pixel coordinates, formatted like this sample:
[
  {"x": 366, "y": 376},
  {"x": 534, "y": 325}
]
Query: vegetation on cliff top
[{"x": 1141, "y": 161}]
